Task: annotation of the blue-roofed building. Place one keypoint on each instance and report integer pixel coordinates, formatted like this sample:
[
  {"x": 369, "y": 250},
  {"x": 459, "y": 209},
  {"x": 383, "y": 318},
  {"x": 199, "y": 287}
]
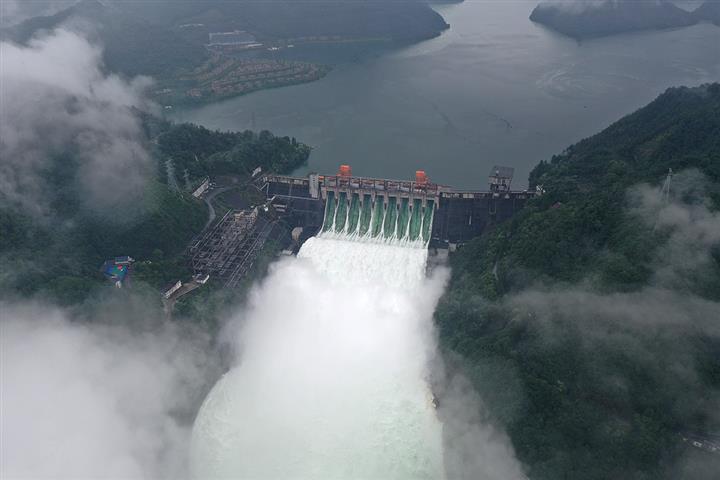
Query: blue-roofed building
[{"x": 116, "y": 270}]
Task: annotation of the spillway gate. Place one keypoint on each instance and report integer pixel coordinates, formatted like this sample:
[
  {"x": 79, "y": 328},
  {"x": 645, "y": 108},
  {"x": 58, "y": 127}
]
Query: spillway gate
[
  {"x": 381, "y": 217},
  {"x": 437, "y": 215}
]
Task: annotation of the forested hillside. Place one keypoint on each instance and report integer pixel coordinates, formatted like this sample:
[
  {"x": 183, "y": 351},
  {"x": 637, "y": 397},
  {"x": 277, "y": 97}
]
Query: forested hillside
[
  {"x": 131, "y": 45},
  {"x": 589, "y": 323},
  {"x": 168, "y": 40},
  {"x": 608, "y": 17},
  {"x": 59, "y": 254},
  {"x": 202, "y": 152},
  {"x": 149, "y": 38},
  {"x": 709, "y": 11},
  {"x": 286, "y": 19}
]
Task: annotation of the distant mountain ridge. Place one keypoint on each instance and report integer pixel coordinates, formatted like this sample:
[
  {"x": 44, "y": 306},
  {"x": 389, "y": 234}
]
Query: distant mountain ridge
[
  {"x": 131, "y": 45},
  {"x": 599, "y": 18},
  {"x": 149, "y": 38},
  {"x": 283, "y": 19},
  {"x": 708, "y": 12}
]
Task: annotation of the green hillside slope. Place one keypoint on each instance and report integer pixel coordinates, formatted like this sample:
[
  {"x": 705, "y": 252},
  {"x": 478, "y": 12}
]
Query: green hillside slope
[
  {"x": 589, "y": 322},
  {"x": 59, "y": 254}
]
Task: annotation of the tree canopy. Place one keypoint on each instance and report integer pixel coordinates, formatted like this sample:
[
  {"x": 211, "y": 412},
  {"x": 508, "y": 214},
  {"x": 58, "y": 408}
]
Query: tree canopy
[{"x": 578, "y": 322}]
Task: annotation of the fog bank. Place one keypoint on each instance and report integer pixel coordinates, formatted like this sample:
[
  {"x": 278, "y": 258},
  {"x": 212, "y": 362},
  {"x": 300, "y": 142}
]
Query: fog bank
[
  {"x": 100, "y": 400},
  {"x": 62, "y": 115}
]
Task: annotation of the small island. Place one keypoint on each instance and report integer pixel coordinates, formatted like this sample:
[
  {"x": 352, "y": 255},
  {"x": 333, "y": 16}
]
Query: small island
[
  {"x": 584, "y": 20},
  {"x": 708, "y": 12}
]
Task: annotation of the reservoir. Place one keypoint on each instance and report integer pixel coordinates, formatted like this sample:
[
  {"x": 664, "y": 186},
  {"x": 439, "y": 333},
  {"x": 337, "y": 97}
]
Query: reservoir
[{"x": 493, "y": 89}]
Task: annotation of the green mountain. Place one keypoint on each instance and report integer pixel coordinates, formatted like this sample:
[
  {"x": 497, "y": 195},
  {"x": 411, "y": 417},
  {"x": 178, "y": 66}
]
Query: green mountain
[
  {"x": 58, "y": 256},
  {"x": 154, "y": 38},
  {"x": 588, "y": 323},
  {"x": 167, "y": 39},
  {"x": 131, "y": 45},
  {"x": 288, "y": 19},
  {"x": 589, "y": 19}
]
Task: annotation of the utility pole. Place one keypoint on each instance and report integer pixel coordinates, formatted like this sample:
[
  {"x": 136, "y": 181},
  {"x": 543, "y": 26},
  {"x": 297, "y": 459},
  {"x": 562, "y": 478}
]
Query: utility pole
[{"x": 665, "y": 194}]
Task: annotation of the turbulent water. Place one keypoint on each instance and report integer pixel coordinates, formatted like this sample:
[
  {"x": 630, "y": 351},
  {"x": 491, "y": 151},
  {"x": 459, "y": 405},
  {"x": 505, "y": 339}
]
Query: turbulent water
[
  {"x": 331, "y": 381},
  {"x": 400, "y": 221}
]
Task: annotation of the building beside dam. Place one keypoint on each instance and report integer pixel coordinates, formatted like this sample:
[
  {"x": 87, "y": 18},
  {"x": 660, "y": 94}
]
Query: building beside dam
[{"x": 415, "y": 210}]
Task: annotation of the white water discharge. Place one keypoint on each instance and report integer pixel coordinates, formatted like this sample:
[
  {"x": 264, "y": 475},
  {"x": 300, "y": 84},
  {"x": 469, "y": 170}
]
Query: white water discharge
[{"x": 332, "y": 377}]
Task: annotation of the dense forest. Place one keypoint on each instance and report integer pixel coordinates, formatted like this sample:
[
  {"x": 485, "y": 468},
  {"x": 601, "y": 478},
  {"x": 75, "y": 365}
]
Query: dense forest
[
  {"x": 287, "y": 19},
  {"x": 59, "y": 255},
  {"x": 589, "y": 322},
  {"x": 203, "y": 152}
]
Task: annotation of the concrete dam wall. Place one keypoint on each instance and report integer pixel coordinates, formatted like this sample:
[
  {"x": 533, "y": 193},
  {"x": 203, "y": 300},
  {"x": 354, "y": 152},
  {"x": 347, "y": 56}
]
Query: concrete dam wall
[{"x": 371, "y": 206}]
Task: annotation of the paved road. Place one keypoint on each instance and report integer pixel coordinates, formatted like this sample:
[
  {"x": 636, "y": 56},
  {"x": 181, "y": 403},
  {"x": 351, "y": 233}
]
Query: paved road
[
  {"x": 211, "y": 209},
  {"x": 172, "y": 180},
  {"x": 169, "y": 303}
]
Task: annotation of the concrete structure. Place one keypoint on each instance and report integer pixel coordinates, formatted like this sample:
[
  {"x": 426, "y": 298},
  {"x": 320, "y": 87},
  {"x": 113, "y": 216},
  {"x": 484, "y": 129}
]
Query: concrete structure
[
  {"x": 236, "y": 37},
  {"x": 296, "y": 233},
  {"x": 459, "y": 215},
  {"x": 500, "y": 178},
  {"x": 124, "y": 260},
  {"x": 171, "y": 288},
  {"x": 230, "y": 249},
  {"x": 202, "y": 188}
]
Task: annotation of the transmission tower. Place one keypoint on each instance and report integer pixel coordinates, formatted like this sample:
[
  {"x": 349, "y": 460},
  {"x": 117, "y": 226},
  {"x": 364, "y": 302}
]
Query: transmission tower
[{"x": 665, "y": 194}]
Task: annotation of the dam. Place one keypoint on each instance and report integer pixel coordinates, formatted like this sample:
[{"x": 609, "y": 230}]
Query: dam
[
  {"x": 319, "y": 395},
  {"x": 414, "y": 211}
]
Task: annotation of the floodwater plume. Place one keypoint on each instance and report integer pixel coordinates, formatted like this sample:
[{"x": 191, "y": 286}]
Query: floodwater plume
[
  {"x": 332, "y": 375},
  {"x": 334, "y": 371}
]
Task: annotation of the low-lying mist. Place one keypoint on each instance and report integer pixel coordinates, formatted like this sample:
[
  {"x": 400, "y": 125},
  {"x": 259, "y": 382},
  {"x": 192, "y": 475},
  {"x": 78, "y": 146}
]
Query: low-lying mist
[
  {"x": 335, "y": 355},
  {"x": 106, "y": 397},
  {"x": 63, "y": 116}
]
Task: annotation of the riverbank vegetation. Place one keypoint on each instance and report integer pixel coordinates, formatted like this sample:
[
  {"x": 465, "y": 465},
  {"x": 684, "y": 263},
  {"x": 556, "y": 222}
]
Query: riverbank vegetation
[
  {"x": 202, "y": 152},
  {"x": 589, "y": 322}
]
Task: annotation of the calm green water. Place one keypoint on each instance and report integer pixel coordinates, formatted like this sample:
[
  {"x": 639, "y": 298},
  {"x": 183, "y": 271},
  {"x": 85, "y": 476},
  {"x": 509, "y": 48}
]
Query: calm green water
[{"x": 494, "y": 89}]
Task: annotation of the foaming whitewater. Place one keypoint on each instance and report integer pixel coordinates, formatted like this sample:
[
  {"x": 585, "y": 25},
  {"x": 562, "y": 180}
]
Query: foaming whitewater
[{"x": 332, "y": 377}]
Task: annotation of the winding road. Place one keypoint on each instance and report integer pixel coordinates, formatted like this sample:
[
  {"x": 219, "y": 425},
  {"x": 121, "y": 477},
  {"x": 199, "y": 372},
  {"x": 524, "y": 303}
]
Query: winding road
[{"x": 208, "y": 200}]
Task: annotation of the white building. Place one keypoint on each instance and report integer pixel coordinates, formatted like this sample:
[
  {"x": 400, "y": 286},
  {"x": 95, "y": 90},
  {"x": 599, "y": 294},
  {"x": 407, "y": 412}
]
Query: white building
[
  {"x": 202, "y": 188},
  {"x": 172, "y": 288}
]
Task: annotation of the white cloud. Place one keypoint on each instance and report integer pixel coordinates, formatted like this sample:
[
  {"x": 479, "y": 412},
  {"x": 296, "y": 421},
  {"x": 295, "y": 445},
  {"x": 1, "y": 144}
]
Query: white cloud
[
  {"x": 58, "y": 105},
  {"x": 95, "y": 401}
]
